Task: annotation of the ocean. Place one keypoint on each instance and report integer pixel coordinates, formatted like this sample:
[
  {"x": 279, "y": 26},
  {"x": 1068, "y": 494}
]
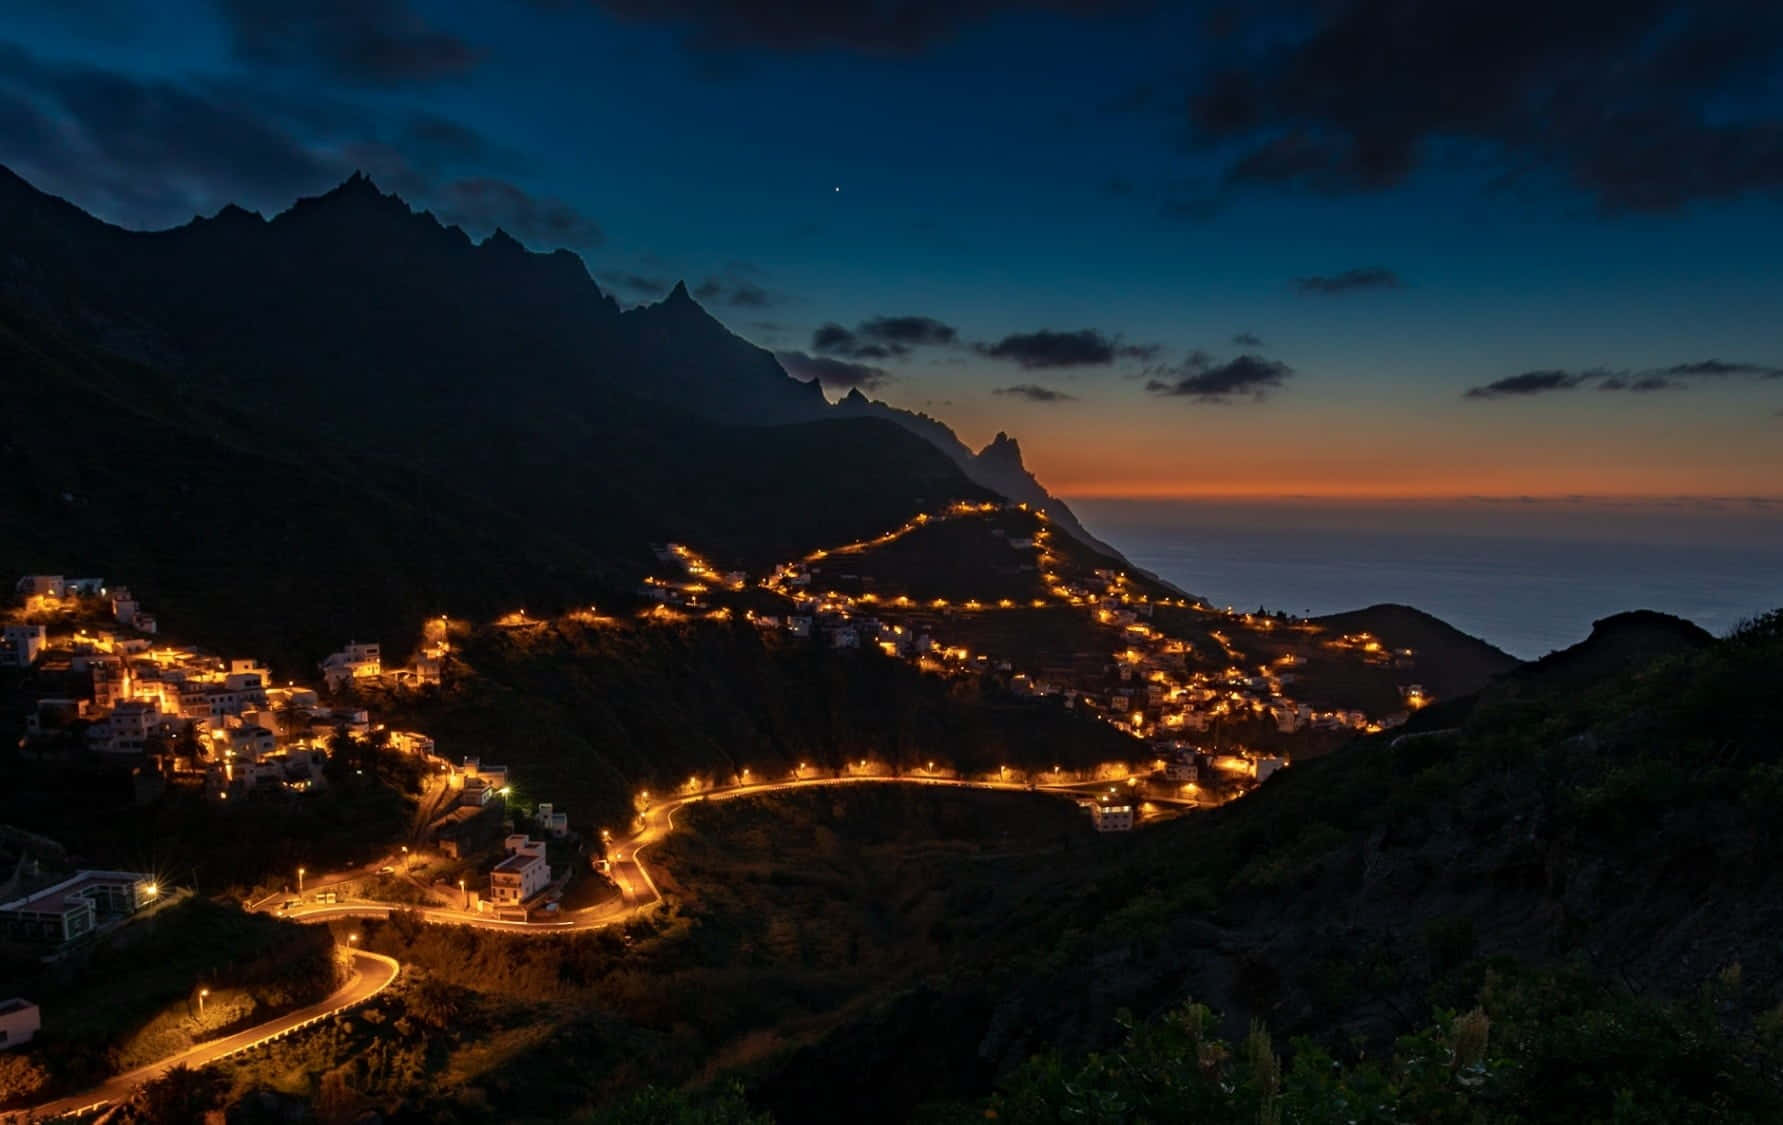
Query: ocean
[{"x": 1528, "y": 576}]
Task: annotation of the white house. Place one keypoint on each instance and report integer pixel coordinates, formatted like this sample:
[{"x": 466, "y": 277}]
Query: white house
[
  {"x": 552, "y": 822},
  {"x": 42, "y": 585},
  {"x": 20, "y": 644},
  {"x": 356, "y": 661},
  {"x": 1112, "y": 813},
  {"x": 522, "y": 875},
  {"x": 1267, "y": 765},
  {"x": 19, "y": 1022},
  {"x": 249, "y": 743}
]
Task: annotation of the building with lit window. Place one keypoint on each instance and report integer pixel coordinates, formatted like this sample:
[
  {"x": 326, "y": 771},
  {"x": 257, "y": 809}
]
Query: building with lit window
[
  {"x": 76, "y": 906},
  {"x": 1112, "y": 812},
  {"x": 523, "y": 874}
]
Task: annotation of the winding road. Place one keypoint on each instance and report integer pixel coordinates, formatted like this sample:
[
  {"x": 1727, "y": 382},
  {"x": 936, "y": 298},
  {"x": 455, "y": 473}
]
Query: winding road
[
  {"x": 638, "y": 890},
  {"x": 374, "y": 972},
  {"x": 371, "y": 974}
]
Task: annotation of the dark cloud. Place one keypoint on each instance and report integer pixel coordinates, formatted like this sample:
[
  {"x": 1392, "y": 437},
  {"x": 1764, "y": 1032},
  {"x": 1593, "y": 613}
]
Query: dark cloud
[
  {"x": 483, "y": 203},
  {"x": 869, "y": 26},
  {"x": 1638, "y": 383},
  {"x": 148, "y": 152},
  {"x": 1676, "y": 377},
  {"x": 834, "y": 374},
  {"x": 909, "y": 331},
  {"x": 1714, "y": 367},
  {"x": 432, "y": 136},
  {"x": 374, "y": 42},
  {"x": 1034, "y": 393},
  {"x": 641, "y": 284},
  {"x": 1247, "y": 340},
  {"x": 1363, "y": 277},
  {"x": 883, "y": 337},
  {"x": 1643, "y": 105},
  {"x": 737, "y": 292},
  {"x": 1085, "y": 347},
  {"x": 1529, "y": 383},
  {"x": 1199, "y": 377}
]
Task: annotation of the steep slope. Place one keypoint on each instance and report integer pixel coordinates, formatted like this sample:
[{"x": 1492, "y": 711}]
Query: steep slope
[
  {"x": 998, "y": 466},
  {"x": 251, "y": 524},
  {"x": 1625, "y": 826},
  {"x": 1454, "y": 662}
]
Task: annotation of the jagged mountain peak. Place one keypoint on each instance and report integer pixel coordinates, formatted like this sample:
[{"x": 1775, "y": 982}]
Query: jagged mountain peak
[
  {"x": 502, "y": 242},
  {"x": 1003, "y": 450}
]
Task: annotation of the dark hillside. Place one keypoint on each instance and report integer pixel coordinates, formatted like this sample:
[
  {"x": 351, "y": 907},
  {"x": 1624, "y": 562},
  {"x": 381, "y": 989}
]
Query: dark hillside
[
  {"x": 1628, "y": 828},
  {"x": 247, "y": 528},
  {"x": 588, "y": 713},
  {"x": 1454, "y": 662}
]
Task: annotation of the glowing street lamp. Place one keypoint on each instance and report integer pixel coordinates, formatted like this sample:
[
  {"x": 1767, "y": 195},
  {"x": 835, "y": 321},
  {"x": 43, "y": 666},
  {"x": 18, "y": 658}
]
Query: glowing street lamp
[
  {"x": 152, "y": 890},
  {"x": 407, "y": 860},
  {"x": 202, "y": 993},
  {"x": 465, "y": 893},
  {"x": 300, "y": 872}
]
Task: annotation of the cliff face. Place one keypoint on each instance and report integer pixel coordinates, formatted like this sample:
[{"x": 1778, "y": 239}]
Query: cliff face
[{"x": 998, "y": 466}]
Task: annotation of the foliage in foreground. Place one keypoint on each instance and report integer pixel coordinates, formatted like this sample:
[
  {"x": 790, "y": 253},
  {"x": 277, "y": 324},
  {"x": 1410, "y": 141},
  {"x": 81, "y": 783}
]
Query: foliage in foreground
[{"x": 1540, "y": 1048}]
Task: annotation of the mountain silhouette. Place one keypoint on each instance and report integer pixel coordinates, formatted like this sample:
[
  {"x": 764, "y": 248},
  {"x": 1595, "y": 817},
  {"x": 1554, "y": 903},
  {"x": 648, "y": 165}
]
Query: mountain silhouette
[{"x": 366, "y": 409}]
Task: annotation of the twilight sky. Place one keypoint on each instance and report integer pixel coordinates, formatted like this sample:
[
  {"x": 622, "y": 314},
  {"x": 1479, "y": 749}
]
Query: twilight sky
[{"x": 1332, "y": 247}]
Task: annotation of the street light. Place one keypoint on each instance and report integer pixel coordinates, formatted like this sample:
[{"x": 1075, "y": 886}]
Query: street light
[
  {"x": 352, "y": 939},
  {"x": 407, "y": 860},
  {"x": 152, "y": 890},
  {"x": 465, "y": 893},
  {"x": 202, "y": 993},
  {"x": 300, "y": 880}
]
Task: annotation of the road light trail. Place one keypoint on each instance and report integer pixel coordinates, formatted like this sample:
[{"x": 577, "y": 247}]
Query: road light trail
[{"x": 372, "y": 973}]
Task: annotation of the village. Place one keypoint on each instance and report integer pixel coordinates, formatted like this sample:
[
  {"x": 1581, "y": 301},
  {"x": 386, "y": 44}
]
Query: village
[
  {"x": 1174, "y": 700},
  {"x": 104, "y": 679},
  {"x": 105, "y": 683}
]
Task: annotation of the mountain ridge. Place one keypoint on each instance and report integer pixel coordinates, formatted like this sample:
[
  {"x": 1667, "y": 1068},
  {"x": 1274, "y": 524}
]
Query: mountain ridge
[{"x": 672, "y": 352}]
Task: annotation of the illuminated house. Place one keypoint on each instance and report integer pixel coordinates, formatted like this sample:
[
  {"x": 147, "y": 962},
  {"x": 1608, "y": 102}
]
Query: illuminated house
[
  {"x": 552, "y": 822},
  {"x": 42, "y": 586},
  {"x": 124, "y": 607},
  {"x": 20, "y": 644},
  {"x": 1112, "y": 812},
  {"x": 523, "y": 874},
  {"x": 127, "y": 729},
  {"x": 356, "y": 661},
  {"x": 76, "y": 906},
  {"x": 1266, "y": 765}
]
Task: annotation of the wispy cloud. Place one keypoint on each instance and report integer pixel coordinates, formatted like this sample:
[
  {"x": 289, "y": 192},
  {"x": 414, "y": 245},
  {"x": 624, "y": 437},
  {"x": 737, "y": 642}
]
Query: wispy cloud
[{"x": 1349, "y": 281}]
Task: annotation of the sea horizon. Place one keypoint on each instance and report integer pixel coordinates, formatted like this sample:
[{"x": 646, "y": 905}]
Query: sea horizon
[{"x": 1528, "y": 575}]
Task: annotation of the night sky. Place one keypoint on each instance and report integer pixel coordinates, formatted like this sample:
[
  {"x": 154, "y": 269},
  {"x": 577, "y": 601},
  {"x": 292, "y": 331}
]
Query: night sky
[{"x": 1347, "y": 247}]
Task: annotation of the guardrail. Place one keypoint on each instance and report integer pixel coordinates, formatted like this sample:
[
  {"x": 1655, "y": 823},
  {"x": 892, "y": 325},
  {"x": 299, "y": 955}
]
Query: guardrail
[{"x": 155, "y": 1070}]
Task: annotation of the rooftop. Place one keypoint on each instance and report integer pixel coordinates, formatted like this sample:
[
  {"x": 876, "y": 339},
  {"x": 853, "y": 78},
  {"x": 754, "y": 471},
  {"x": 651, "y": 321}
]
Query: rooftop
[{"x": 515, "y": 864}]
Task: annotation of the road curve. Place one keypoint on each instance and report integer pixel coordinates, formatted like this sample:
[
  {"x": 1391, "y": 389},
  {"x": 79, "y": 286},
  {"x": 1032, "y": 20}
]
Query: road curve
[
  {"x": 372, "y": 973},
  {"x": 638, "y": 889}
]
